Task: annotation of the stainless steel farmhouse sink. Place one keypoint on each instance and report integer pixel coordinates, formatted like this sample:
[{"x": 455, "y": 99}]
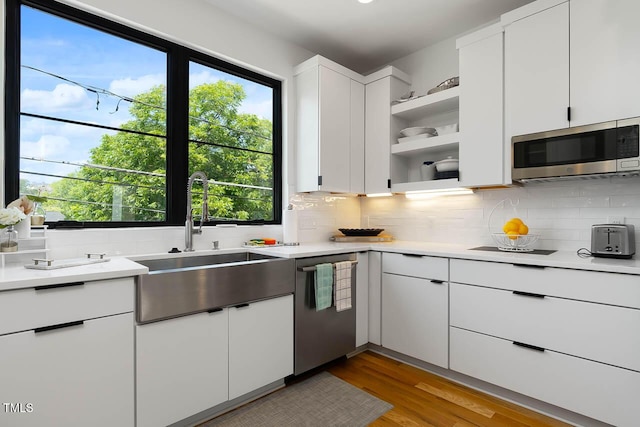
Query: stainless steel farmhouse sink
[{"x": 185, "y": 285}]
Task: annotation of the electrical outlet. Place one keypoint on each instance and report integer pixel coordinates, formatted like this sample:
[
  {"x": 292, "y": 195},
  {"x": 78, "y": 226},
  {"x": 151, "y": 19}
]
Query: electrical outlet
[{"x": 615, "y": 220}]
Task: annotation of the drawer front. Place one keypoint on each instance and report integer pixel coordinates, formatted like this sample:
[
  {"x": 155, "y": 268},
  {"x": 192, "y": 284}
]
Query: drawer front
[
  {"x": 426, "y": 267},
  {"x": 599, "y": 332},
  {"x": 596, "y": 390},
  {"x": 25, "y": 309},
  {"x": 606, "y": 288}
]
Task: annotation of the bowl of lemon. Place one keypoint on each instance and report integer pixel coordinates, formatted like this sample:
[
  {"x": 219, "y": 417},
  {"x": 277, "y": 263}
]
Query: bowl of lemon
[{"x": 515, "y": 235}]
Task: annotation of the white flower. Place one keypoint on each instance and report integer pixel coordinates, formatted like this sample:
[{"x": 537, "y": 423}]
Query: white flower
[{"x": 11, "y": 216}]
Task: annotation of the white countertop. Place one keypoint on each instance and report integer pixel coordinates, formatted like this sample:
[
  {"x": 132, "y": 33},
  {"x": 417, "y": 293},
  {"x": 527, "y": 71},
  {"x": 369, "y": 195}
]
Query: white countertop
[
  {"x": 17, "y": 277},
  {"x": 561, "y": 259}
]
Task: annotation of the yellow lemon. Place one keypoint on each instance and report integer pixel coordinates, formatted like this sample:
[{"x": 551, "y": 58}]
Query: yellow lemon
[
  {"x": 517, "y": 221},
  {"x": 523, "y": 229},
  {"x": 513, "y": 235},
  {"x": 510, "y": 226}
]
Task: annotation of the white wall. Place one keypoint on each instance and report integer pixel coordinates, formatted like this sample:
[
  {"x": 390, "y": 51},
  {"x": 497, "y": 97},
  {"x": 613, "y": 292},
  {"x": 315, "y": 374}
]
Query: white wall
[{"x": 430, "y": 66}]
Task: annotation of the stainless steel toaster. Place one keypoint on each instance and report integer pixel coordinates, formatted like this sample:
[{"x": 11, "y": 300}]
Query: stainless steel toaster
[{"x": 613, "y": 240}]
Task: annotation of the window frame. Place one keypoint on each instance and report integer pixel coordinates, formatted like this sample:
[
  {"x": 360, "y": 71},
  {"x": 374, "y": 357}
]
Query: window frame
[{"x": 178, "y": 58}]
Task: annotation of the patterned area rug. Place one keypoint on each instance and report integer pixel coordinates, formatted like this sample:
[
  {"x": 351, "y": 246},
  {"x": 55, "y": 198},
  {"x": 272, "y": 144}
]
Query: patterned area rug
[{"x": 322, "y": 400}]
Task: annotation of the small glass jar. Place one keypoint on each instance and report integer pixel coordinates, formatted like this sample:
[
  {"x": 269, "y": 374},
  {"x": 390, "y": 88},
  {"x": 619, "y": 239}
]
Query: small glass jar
[
  {"x": 9, "y": 239},
  {"x": 38, "y": 215}
]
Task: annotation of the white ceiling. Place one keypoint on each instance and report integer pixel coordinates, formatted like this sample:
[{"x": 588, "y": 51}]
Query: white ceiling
[{"x": 364, "y": 37}]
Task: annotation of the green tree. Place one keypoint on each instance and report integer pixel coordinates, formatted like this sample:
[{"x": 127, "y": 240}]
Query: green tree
[{"x": 111, "y": 191}]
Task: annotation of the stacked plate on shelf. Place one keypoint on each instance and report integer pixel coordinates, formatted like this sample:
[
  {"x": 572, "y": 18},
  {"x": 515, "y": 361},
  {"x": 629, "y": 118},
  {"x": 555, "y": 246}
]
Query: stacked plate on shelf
[{"x": 415, "y": 133}]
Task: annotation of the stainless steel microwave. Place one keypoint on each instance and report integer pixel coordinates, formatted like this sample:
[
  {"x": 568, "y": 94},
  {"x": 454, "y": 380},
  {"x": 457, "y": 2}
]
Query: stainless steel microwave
[{"x": 601, "y": 149}]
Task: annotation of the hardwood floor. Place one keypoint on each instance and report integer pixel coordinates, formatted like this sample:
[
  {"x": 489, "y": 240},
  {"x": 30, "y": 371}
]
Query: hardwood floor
[{"x": 424, "y": 399}]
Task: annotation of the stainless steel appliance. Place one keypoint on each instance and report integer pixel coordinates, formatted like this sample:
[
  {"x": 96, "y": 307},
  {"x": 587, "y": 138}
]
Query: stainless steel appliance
[
  {"x": 613, "y": 240},
  {"x": 597, "y": 150},
  {"x": 325, "y": 335}
]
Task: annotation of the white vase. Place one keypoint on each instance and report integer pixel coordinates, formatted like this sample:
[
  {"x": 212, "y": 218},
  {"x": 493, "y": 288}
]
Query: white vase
[{"x": 24, "y": 228}]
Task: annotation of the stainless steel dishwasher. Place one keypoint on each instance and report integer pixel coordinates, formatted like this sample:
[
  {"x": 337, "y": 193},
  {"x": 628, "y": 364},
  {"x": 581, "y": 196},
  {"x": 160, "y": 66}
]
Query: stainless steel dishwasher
[{"x": 325, "y": 335}]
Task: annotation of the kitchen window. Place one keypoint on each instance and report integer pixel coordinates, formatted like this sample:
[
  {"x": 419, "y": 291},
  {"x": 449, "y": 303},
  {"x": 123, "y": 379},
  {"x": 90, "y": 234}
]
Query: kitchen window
[{"x": 108, "y": 123}]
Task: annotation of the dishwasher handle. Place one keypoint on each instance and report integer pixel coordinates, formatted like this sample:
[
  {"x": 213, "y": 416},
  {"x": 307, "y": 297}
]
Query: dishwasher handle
[{"x": 313, "y": 267}]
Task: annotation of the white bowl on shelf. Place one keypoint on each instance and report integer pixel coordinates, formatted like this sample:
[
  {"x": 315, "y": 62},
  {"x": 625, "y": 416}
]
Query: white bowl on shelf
[
  {"x": 447, "y": 165},
  {"x": 443, "y": 130},
  {"x": 418, "y": 130}
]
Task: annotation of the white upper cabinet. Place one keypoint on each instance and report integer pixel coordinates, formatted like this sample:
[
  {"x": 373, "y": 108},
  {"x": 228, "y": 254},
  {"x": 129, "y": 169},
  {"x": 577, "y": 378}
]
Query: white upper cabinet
[
  {"x": 330, "y": 127},
  {"x": 537, "y": 71},
  {"x": 570, "y": 63},
  {"x": 605, "y": 60},
  {"x": 378, "y": 134},
  {"x": 483, "y": 155}
]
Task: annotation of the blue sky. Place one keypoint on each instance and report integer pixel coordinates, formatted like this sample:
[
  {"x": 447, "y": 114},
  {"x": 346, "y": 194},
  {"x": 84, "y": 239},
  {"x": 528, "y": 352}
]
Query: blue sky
[{"x": 95, "y": 59}]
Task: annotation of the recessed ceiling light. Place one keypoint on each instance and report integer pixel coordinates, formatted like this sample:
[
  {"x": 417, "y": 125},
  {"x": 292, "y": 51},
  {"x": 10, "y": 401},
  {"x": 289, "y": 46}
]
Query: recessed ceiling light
[{"x": 365, "y": 1}]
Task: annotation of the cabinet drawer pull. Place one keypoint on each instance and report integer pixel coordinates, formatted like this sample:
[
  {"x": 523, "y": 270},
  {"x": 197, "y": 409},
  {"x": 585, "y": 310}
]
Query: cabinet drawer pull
[
  {"x": 61, "y": 285},
  {"x": 528, "y": 294},
  {"x": 529, "y": 346},
  {"x": 437, "y": 282},
  {"x": 539, "y": 267},
  {"x": 413, "y": 255},
  {"x": 241, "y": 305},
  {"x": 59, "y": 326},
  {"x": 214, "y": 310}
]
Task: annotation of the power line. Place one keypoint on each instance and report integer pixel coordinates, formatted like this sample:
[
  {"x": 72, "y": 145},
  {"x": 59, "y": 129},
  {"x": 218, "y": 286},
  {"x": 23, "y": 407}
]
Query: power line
[{"x": 98, "y": 91}]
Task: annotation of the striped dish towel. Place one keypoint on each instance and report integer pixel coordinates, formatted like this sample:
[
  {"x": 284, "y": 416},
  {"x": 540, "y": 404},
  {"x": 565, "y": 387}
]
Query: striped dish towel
[
  {"x": 342, "y": 288},
  {"x": 324, "y": 285}
]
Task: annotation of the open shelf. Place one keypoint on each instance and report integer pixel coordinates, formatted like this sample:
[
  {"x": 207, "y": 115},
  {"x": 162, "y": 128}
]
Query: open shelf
[
  {"x": 431, "y": 145},
  {"x": 436, "y": 184},
  {"x": 440, "y": 102}
]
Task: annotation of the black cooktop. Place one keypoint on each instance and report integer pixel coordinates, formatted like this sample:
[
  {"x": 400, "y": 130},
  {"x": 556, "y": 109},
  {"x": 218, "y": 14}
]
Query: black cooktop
[{"x": 494, "y": 249}]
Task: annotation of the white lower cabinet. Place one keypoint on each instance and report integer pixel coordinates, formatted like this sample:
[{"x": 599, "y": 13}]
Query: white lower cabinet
[
  {"x": 415, "y": 310},
  {"x": 192, "y": 363},
  {"x": 593, "y": 389},
  {"x": 79, "y": 374},
  {"x": 362, "y": 299},
  {"x": 181, "y": 367},
  {"x": 566, "y": 337},
  {"x": 260, "y": 344},
  {"x": 375, "y": 293}
]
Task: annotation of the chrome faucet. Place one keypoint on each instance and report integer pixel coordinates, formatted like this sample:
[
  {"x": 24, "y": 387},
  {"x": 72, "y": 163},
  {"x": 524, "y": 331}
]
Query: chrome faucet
[{"x": 188, "y": 224}]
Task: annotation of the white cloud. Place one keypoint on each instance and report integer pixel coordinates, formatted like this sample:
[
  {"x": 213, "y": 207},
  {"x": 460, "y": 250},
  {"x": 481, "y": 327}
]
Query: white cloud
[
  {"x": 132, "y": 87},
  {"x": 47, "y": 147},
  {"x": 261, "y": 109},
  {"x": 196, "y": 79},
  {"x": 64, "y": 97}
]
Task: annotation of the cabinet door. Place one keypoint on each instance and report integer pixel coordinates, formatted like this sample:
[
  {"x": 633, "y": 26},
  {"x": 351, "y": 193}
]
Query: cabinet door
[
  {"x": 377, "y": 151},
  {"x": 537, "y": 72},
  {"x": 356, "y": 166},
  {"x": 415, "y": 318},
  {"x": 75, "y": 376},
  {"x": 482, "y": 148},
  {"x": 335, "y": 130},
  {"x": 381, "y": 128},
  {"x": 605, "y": 60},
  {"x": 362, "y": 299},
  {"x": 307, "y": 130},
  {"x": 181, "y": 367},
  {"x": 260, "y": 344},
  {"x": 375, "y": 293}
]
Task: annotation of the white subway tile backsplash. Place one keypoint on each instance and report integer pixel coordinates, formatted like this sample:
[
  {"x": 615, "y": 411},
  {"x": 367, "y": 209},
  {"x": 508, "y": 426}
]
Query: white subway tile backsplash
[
  {"x": 562, "y": 213},
  {"x": 626, "y": 200}
]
